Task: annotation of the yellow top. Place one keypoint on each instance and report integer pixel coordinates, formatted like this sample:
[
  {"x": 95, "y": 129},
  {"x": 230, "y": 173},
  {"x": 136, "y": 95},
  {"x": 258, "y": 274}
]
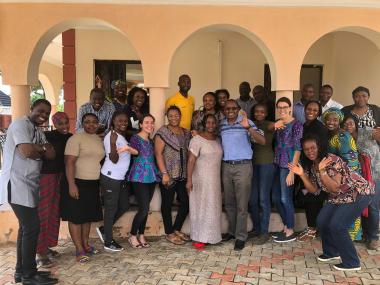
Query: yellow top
[{"x": 185, "y": 104}]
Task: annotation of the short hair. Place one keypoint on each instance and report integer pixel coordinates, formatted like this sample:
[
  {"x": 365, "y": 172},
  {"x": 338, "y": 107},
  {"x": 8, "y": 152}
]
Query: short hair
[
  {"x": 263, "y": 105},
  {"x": 114, "y": 115},
  {"x": 225, "y": 91},
  {"x": 145, "y": 116},
  {"x": 315, "y": 102},
  {"x": 260, "y": 88},
  {"x": 328, "y": 86},
  {"x": 205, "y": 118},
  {"x": 233, "y": 101},
  {"x": 173, "y": 108},
  {"x": 360, "y": 89},
  {"x": 39, "y": 102},
  {"x": 349, "y": 116},
  {"x": 89, "y": 115},
  {"x": 97, "y": 90},
  {"x": 307, "y": 85},
  {"x": 183, "y": 75},
  {"x": 285, "y": 100}
]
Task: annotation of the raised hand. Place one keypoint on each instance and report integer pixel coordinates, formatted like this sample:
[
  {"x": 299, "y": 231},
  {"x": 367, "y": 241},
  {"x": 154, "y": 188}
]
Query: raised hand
[
  {"x": 113, "y": 137},
  {"x": 296, "y": 169},
  {"x": 244, "y": 122},
  {"x": 324, "y": 163}
]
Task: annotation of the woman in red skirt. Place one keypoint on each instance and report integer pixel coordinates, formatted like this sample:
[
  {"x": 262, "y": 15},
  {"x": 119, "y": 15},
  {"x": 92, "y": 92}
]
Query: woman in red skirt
[{"x": 50, "y": 179}]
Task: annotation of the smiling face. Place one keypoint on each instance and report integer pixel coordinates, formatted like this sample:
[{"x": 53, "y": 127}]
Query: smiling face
[
  {"x": 147, "y": 125},
  {"x": 120, "y": 123},
  {"x": 222, "y": 99},
  {"x": 361, "y": 99},
  {"x": 260, "y": 113},
  {"x": 174, "y": 118},
  {"x": 209, "y": 102},
  {"x": 311, "y": 112},
  {"x": 90, "y": 124},
  {"x": 138, "y": 99},
  {"x": 40, "y": 114},
  {"x": 283, "y": 110},
  {"x": 231, "y": 110},
  {"x": 332, "y": 122},
  {"x": 62, "y": 125},
  {"x": 325, "y": 94},
  {"x": 349, "y": 125},
  {"x": 210, "y": 125},
  {"x": 310, "y": 149}
]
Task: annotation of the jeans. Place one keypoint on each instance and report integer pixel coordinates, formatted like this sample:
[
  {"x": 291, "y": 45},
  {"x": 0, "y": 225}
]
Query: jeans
[
  {"x": 144, "y": 193},
  {"x": 333, "y": 222},
  {"x": 237, "y": 189},
  {"x": 116, "y": 203},
  {"x": 282, "y": 196},
  {"x": 372, "y": 229},
  {"x": 262, "y": 181},
  {"x": 166, "y": 206}
]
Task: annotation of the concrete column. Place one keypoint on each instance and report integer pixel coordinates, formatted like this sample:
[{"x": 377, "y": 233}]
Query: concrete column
[
  {"x": 157, "y": 100},
  {"x": 284, "y": 93},
  {"x": 20, "y": 104}
]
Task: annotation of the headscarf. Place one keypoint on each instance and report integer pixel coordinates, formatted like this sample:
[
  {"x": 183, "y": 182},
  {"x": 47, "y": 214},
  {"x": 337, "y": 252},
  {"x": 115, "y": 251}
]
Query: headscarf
[
  {"x": 335, "y": 111},
  {"x": 58, "y": 116}
]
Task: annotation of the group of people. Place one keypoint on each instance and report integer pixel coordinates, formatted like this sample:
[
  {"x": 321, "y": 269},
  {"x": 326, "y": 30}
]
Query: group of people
[{"x": 317, "y": 154}]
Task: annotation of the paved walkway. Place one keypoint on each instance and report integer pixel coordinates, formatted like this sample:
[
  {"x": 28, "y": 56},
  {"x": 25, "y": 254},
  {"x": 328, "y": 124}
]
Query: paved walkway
[{"x": 291, "y": 263}]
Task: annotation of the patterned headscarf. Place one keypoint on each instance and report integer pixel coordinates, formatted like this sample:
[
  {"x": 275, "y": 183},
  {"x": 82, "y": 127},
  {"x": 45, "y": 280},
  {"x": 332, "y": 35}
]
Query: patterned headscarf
[
  {"x": 58, "y": 116},
  {"x": 335, "y": 111},
  {"x": 118, "y": 82}
]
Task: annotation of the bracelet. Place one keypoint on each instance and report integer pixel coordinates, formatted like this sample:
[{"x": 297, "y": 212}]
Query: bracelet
[{"x": 164, "y": 172}]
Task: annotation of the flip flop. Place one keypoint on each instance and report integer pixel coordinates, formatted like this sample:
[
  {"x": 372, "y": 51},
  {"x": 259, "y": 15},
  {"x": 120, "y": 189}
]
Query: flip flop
[
  {"x": 175, "y": 240},
  {"x": 138, "y": 246},
  {"x": 82, "y": 257}
]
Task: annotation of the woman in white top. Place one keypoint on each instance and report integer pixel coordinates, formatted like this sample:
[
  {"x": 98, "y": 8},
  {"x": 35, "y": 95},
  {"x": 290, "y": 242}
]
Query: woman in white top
[{"x": 112, "y": 178}]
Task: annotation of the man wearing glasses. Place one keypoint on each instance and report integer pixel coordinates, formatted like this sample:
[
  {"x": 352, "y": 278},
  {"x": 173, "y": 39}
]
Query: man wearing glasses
[{"x": 237, "y": 132}]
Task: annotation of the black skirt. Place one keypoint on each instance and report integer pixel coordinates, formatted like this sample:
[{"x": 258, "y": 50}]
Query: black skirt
[{"x": 87, "y": 208}]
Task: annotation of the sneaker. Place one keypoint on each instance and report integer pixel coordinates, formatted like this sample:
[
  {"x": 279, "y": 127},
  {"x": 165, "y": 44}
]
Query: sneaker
[
  {"x": 285, "y": 238},
  {"x": 324, "y": 258},
  {"x": 342, "y": 267},
  {"x": 277, "y": 234},
  {"x": 261, "y": 239},
  {"x": 100, "y": 232},
  {"x": 113, "y": 246}
]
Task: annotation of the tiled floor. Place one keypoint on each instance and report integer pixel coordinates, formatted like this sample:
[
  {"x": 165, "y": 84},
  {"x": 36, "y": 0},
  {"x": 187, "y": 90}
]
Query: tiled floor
[{"x": 163, "y": 263}]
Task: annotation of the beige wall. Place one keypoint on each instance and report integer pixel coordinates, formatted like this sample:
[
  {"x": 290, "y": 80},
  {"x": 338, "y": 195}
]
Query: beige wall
[
  {"x": 212, "y": 65},
  {"x": 349, "y": 60},
  {"x": 97, "y": 44},
  {"x": 51, "y": 78}
]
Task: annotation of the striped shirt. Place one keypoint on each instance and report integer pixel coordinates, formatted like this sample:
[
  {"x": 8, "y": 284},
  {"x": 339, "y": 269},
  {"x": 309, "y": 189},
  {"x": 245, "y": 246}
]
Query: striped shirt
[{"x": 236, "y": 140}]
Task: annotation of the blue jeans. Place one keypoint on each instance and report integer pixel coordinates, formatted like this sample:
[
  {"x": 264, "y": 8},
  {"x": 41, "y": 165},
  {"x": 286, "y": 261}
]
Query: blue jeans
[
  {"x": 262, "y": 181},
  {"x": 373, "y": 215},
  {"x": 333, "y": 222},
  {"x": 282, "y": 197}
]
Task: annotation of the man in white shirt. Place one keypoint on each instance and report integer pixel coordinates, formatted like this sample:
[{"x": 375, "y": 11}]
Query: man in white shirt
[{"x": 325, "y": 98}]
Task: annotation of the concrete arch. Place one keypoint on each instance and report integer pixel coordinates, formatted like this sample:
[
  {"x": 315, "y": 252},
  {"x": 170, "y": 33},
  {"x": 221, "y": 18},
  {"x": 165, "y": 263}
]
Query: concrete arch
[
  {"x": 231, "y": 28},
  {"x": 53, "y": 31},
  {"x": 48, "y": 88}
]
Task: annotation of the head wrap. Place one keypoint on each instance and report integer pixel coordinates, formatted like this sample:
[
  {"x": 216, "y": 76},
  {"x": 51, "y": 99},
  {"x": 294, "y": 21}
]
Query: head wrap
[
  {"x": 118, "y": 82},
  {"x": 335, "y": 111},
  {"x": 59, "y": 116}
]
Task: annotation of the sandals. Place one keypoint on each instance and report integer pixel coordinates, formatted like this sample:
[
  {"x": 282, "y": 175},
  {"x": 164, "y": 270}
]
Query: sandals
[
  {"x": 82, "y": 257},
  {"x": 136, "y": 246},
  {"x": 183, "y": 236},
  {"x": 173, "y": 238},
  {"x": 90, "y": 250}
]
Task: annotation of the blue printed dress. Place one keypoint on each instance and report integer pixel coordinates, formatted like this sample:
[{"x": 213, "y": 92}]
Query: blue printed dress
[{"x": 143, "y": 169}]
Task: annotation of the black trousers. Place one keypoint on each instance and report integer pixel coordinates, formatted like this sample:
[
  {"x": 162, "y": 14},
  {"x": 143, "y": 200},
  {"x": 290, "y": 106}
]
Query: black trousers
[
  {"x": 116, "y": 203},
  {"x": 166, "y": 206},
  {"x": 27, "y": 237},
  {"x": 143, "y": 193},
  {"x": 313, "y": 205}
]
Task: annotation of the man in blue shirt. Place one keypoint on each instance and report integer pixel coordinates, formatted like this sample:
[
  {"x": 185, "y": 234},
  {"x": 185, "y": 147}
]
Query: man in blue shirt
[
  {"x": 237, "y": 132},
  {"x": 307, "y": 94}
]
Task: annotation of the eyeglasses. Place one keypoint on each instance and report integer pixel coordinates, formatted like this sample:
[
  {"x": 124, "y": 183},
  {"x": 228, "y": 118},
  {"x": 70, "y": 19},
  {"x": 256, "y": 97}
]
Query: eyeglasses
[{"x": 232, "y": 109}]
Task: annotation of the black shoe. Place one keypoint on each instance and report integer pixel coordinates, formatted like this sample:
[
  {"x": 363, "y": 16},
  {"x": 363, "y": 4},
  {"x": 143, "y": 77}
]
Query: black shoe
[
  {"x": 113, "y": 246},
  {"x": 239, "y": 244},
  {"x": 285, "y": 238},
  {"x": 227, "y": 237},
  {"x": 100, "y": 232},
  {"x": 277, "y": 234},
  {"x": 18, "y": 276},
  {"x": 342, "y": 267},
  {"x": 39, "y": 280},
  {"x": 253, "y": 234},
  {"x": 261, "y": 239},
  {"x": 325, "y": 258}
]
